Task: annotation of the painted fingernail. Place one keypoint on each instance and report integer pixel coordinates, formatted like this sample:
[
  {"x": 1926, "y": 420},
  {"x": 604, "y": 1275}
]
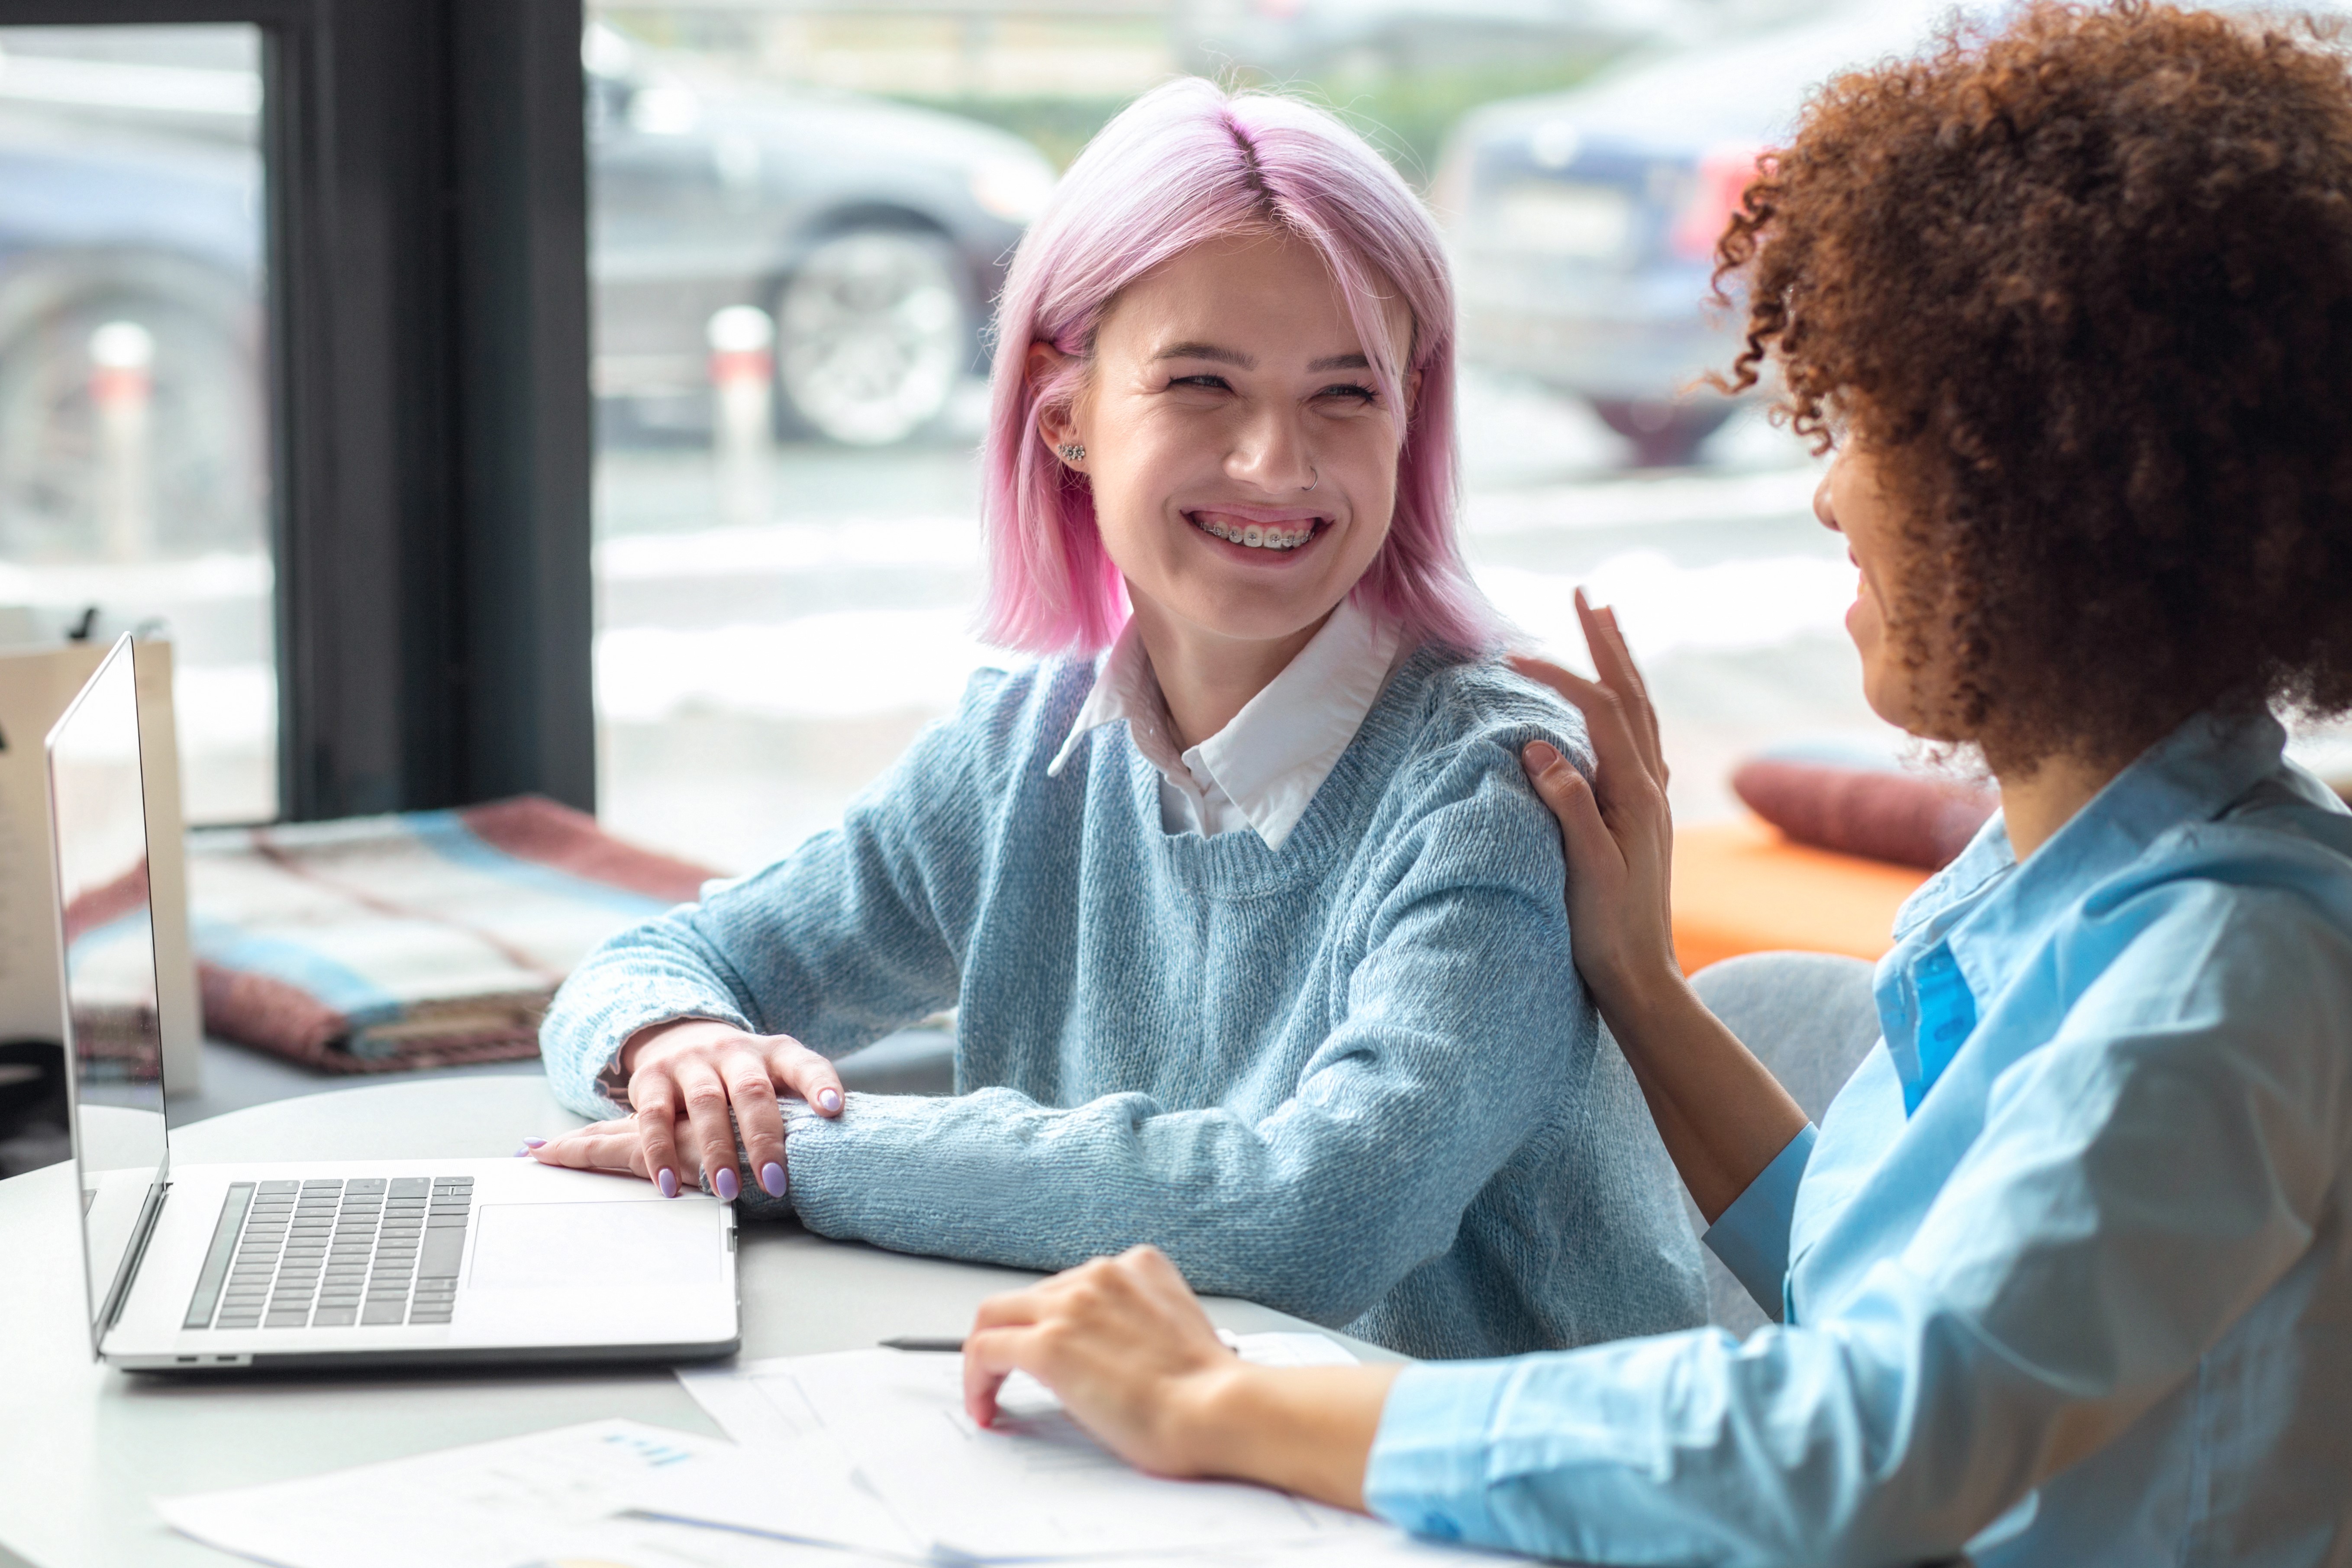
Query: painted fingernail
[
  {"x": 522, "y": 1152},
  {"x": 830, "y": 1098},
  {"x": 534, "y": 1143},
  {"x": 725, "y": 1185},
  {"x": 772, "y": 1179},
  {"x": 668, "y": 1181}
]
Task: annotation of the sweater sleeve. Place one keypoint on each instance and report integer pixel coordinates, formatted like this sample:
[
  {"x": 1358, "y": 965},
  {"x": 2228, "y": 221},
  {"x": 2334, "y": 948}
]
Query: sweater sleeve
[
  {"x": 838, "y": 943},
  {"x": 1460, "y": 1022}
]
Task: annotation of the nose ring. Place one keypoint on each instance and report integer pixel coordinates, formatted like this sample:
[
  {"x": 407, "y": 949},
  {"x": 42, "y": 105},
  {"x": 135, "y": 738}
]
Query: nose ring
[{"x": 1316, "y": 479}]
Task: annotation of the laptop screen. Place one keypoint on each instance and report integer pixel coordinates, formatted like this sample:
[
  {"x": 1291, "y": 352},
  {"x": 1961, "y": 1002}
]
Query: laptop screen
[{"x": 114, "y": 1050}]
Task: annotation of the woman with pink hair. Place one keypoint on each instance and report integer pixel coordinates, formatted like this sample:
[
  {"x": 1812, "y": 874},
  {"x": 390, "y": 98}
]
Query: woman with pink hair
[{"x": 1250, "y": 913}]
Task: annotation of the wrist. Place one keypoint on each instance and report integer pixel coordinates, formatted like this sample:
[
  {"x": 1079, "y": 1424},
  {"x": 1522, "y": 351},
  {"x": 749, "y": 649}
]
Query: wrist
[
  {"x": 1641, "y": 1009},
  {"x": 1307, "y": 1430},
  {"x": 1210, "y": 1418}
]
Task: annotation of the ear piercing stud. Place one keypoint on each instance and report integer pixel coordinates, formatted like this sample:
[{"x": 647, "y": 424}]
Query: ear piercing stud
[{"x": 1072, "y": 452}]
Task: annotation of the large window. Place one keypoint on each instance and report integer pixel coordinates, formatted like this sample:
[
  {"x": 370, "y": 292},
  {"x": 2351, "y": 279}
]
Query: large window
[
  {"x": 135, "y": 439},
  {"x": 799, "y": 212},
  {"x": 294, "y": 370}
]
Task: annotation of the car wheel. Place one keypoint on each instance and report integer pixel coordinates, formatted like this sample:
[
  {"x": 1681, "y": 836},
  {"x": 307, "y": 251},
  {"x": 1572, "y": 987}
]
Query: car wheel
[
  {"x": 1664, "y": 435},
  {"x": 872, "y": 334},
  {"x": 202, "y": 433}
]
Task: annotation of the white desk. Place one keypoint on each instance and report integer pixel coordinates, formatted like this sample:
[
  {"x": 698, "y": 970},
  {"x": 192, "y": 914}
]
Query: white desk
[{"x": 82, "y": 1448}]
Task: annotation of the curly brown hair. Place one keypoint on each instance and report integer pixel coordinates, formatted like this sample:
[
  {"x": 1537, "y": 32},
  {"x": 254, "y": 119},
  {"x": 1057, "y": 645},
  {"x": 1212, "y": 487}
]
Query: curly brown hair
[{"x": 2083, "y": 286}]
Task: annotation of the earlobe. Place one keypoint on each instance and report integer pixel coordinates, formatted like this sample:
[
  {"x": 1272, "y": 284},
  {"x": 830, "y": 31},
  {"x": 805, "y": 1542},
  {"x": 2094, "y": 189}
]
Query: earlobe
[
  {"x": 1057, "y": 421},
  {"x": 1060, "y": 432}
]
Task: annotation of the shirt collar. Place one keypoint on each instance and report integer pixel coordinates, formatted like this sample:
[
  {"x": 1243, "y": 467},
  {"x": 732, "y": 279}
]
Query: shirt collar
[
  {"x": 1126, "y": 689},
  {"x": 1960, "y": 937},
  {"x": 2193, "y": 774},
  {"x": 1277, "y": 751}
]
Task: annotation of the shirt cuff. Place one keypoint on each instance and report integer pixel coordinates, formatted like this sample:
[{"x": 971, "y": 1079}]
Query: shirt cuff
[
  {"x": 1752, "y": 1237},
  {"x": 1427, "y": 1473}
]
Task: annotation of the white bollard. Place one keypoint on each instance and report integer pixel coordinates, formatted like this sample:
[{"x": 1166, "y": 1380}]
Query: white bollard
[
  {"x": 742, "y": 392},
  {"x": 123, "y": 394}
]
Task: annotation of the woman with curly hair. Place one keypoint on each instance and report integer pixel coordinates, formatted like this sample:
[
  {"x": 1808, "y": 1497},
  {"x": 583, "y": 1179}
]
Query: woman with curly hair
[{"x": 2065, "y": 1273}]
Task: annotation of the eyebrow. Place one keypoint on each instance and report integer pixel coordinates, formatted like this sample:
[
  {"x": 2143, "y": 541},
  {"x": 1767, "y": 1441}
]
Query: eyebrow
[
  {"x": 1209, "y": 352},
  {"x": 1241, "y": 360}
]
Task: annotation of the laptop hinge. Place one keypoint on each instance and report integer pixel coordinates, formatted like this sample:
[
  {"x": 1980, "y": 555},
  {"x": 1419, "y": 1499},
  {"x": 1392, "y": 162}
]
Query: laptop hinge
[{"x": 141, "y": 1233}]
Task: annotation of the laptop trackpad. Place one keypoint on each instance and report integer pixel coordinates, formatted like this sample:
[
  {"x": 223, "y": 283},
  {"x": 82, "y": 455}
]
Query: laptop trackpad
[{"x": 538, "y": 1246}]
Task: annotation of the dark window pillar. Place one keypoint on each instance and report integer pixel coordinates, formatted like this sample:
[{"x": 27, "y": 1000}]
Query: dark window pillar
[
  {"x": 519, "y": 191},
  {"x": 438, "y": 600}
]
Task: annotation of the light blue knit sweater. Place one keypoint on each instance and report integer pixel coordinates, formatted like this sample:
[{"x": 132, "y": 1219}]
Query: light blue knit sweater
[{"x": 1357, "y": 1080}]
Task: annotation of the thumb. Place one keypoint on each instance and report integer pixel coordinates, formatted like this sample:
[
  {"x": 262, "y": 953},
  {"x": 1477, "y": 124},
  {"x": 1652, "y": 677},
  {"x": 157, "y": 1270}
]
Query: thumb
[{"x": 1584, "y": 837}]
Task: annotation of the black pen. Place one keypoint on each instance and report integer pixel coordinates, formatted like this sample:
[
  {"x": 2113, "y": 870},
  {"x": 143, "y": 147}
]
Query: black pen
[{"x": 919, "y": 1343}]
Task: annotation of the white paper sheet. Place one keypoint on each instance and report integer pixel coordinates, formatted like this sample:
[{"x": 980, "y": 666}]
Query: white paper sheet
[
  {"x": 1035, "y": 1485},
  {"x": 759, "y": 1411},
  {"x": 550, "y": 1500},
  {"x": 1289, "y": 1350},
  {"x": 801, "y": 1489}
]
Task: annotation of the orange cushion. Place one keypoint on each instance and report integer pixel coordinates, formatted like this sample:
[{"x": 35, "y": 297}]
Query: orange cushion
[{"x": 1742, "y": 886}]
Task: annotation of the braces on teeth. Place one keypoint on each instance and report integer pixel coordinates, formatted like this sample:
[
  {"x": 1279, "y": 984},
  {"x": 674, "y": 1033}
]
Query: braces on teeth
[{"x": 1256, "y": 536}]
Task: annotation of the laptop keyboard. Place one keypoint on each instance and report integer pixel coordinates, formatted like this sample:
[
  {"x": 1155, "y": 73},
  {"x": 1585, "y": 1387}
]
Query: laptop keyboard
[{"x": 334, "y": 1254}]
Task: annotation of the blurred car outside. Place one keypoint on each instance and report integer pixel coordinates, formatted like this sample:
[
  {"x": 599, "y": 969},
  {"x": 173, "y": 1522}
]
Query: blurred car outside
[
  {"x": 876, "y": 234},
  {"x": 131, "y": 231},
  {"x": 1310, "y": 38},
  {"x": 134, "y": 415},
  {"x": 1583, "y": 223},
  {"x": 133, "y": 420}
]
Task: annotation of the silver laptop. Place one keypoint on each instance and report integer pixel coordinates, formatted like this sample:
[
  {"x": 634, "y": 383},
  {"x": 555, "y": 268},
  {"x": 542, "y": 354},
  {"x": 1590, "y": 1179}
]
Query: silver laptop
[{"x": 218, "y": 1267}]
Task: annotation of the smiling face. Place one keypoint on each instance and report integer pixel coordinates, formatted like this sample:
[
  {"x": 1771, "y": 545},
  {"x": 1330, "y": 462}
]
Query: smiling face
[
  {"x": 1243, "y": 459},
  {"x": 1854, "y": 501}
]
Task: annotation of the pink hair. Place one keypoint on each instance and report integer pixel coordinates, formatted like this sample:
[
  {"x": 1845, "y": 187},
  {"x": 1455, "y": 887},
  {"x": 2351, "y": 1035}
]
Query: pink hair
[{"x": 1186, "y": 164}]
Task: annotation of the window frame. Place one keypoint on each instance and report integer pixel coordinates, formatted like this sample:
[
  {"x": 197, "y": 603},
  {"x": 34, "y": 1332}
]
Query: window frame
[{"x": 428, "y": 310}]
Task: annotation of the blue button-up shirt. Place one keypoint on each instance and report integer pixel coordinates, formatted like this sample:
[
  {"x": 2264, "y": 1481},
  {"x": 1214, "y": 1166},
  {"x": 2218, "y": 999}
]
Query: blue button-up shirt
[{"x": 2065, "y": 1275}]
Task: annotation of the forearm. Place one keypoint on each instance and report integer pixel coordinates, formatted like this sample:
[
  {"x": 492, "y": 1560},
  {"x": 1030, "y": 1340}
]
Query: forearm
[
  {"x": 1307, "y": 1430},
  {"x": 1720, "y": 1112},
  {"x": 998, "y": 1178}
]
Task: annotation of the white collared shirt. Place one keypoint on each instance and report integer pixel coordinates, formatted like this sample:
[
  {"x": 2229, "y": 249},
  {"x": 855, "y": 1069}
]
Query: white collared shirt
[{"x": 1263, "y": 768}]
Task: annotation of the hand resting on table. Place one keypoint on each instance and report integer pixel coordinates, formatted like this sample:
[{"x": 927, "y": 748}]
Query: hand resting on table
[
  {"x": 1124, "y": 1344},
  {"x": 694, "y": 1084}
]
